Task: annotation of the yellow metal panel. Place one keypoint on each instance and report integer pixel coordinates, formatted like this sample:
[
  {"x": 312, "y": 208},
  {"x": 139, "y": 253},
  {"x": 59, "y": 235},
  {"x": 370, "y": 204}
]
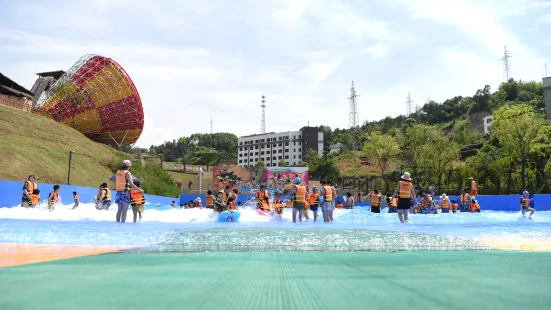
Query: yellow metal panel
[{"x": 108, "y": 86}]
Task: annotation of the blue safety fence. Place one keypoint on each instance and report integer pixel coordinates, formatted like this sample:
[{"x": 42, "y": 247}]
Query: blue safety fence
[{"x": 11, "y": 193}]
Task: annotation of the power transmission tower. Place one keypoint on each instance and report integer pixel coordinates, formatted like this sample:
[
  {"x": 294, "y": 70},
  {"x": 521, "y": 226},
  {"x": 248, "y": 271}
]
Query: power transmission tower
[
  {"x": 506, "y": 65},
  {"x": 263, "y": 124},
  {"x": 211, "y": 126},
  {"x": 353, "y": 119},
  {"x": 409, "y": 105}
]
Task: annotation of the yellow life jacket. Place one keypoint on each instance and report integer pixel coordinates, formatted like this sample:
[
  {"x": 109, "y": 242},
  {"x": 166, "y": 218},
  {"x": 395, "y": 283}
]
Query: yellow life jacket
[
  {"x": 375, "y": 200},
  {"x": 121, "y": 184},
  {"x": 405, "y": 189},
  {"x": 328, "y": 193},
  {"x": 300, "y": 195}
]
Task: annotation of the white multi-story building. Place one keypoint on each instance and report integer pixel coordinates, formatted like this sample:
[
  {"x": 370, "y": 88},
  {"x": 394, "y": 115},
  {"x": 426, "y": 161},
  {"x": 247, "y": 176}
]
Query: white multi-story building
[
  {"x": 271, "y": 148},
  {"x": 487, "y": 123}
]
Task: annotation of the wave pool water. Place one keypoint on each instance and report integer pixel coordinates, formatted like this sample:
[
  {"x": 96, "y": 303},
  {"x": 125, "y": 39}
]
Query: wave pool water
[{"x": 169, "y": 229}]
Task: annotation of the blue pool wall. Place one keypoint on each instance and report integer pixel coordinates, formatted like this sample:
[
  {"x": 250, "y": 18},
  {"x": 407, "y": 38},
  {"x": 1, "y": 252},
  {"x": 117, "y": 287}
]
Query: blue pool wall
[{"x": 11, "y": 192}]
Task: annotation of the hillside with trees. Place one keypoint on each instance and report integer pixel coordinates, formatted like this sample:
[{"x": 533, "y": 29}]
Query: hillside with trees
[{"x": 442, "y": 143}]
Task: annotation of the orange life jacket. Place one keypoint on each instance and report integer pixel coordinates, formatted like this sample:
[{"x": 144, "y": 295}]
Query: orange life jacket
[
  {"x": 137, "y": 198},
  {"x": 55, "y": 197},
  {"x": 445, "y": 203},
  {"x": 394, "y": 202},
  {"x": 107, "y": 195},
  {"x": 475, "y": 206},
  {"x": 328, "y": 194},
  {"x": 525, "y": 204},
  {"x": 464, "y": 199},
  {"x": 121, "y": 183},
  {"x": 265, "y": 205},
  {"x": 375, "y": 200},
  {"x": 300, "y": 195},
  {"x": 405, "y": 189},
  {"x": 277, "y": 205},
  {"x": 473, "y": 186},
  {"x": 231, "y": 206},
  {"x": 313, "y": 200},
  {"x": 34, "y": 199},
  {"x": 425, "y": 202},
  {"x": 454, "y": 206},
  {"x": 260, "y": 195},
  {"x": 340, "y": 206},
  {"x": 31, "y": 186},
  {"x": 209, "y": 200}
]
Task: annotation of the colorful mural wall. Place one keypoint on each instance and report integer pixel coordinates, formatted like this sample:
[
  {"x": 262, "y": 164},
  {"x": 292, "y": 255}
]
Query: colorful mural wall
[{"x": 248, "y": 180}]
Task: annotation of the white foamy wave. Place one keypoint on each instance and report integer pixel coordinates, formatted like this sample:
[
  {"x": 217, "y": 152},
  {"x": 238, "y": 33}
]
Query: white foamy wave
[{"x": 88, "y": 212}]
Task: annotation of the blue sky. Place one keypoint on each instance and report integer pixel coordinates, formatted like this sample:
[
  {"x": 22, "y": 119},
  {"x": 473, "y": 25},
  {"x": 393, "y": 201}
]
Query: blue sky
[{"x": 193, "y": 60}]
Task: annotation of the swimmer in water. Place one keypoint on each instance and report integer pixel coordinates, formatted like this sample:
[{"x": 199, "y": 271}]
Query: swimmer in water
[
  {"x": 299, "y": 199},
  {"x": 137, "y": 201},
  {"x": 53, "y": 198},
  {"x": 525, "y": 205},
  {"x": 76, "y": 198}
]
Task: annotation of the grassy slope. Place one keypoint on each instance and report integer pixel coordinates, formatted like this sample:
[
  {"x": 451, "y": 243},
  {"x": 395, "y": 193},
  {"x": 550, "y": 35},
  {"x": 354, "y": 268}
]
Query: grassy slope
[{"x": 31, "y": 144}]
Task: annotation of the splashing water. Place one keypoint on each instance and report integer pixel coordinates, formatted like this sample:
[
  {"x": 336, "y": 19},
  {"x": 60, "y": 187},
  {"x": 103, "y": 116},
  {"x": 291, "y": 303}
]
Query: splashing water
[{"x": 164, "y": 228}]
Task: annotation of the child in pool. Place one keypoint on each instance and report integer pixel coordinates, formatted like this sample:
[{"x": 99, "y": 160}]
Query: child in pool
[
  {"x": 35, "y": 199},
  {"x": 53, "y": 198},
  {"x": 137, "y": 201},
  {"x": 76, "y": 198}
]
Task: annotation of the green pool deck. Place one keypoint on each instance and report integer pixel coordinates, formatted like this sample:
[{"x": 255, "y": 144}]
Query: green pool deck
[{"x": 283, "y": 280}]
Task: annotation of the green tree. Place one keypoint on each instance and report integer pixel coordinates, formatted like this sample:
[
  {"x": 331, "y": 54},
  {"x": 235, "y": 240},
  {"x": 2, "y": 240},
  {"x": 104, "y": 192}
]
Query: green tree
[
  {"x": 518, "y": 127},
  {"x": 413, "y": 148},
  {"x": 382, "y": 148},
  {"x": 440, "y": 153},
  {"x": 282, "y": 163},
  {"x": 67, "y": 93}
]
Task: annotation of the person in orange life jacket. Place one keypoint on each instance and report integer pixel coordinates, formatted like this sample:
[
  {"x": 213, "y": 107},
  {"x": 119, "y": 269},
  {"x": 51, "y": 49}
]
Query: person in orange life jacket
[
  {"x": 235, "y": 194},
  {"x": 230, "y": 204},
  {"x": 35, "y": 199},
  {"x": 124, "y": 182},
  {"x": 406, "y": 195},
  {"x": 209, "y": 200},
  {"x": 375, "y": 198},
  {"x": 426, "y": 203},
  {"x": 53, "y": 198},
  {"x": 454, "y": 206},
  {"x": 475, "y": 207},
  {"x": 198, "y": 203},
  {"x": 445, "y": 204},
  {"x": 76, "y": 199},
  {"x": 299, "y": 198},
  {"x": 28, "y": 187},
  {"x": 137, "y": 201},
  {"x": 474, "y": 188},
  {"x": 525, "y": 205},
  {"x": 392, "y": 204},
  {"x": 314, "y": 202},
  {"x": 327, "y": 195},
  {"x": 349, "y": 204},
  {"x": 260, "y": 195},
  {"x": 278, "y": 205},
  {"x": 104, "y": 198},
  {"x": 464, "y": 201}
]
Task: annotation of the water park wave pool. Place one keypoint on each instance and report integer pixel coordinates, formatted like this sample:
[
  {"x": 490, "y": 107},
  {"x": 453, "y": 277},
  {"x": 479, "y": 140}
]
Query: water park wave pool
[{"x": 166, "y": 229}]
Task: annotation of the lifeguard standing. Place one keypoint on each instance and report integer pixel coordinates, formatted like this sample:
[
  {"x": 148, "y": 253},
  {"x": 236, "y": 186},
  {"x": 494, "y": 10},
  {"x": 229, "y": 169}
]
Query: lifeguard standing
[{"x": 474, "y": 189}]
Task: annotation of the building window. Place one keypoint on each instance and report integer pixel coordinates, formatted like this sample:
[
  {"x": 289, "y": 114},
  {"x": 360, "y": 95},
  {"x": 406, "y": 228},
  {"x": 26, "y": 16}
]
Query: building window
[
  {"x": 294, "y": 156},
  {"x": 240, "y": 161},
  {"x": 240, "y": 155},
  {"x": 294, "y": 164},
  {"x": 256, "y": 147},
  {"x": 280, "y": 144},
  {"x": 294, "y": 137},
  {"x": 268, "y": 165},
  {"x": 255, "y": 141},
  {"x": 286, "y": 156},
  {"x": 267, "y": 152},
  {"x": 256, "y": 153},
  {"x": 262, "y": 146},
  {"x": 300, "y": 150},
  {"x": 280, "y": 158},
  {"x": 240, "y": 143},
  {"x": 287, "y": 150},
  {"x": 294, "y": 150},
  {"x": 300, "y": 143},
  {"x": 274, "y": 158},
  {"x": 299, "y": 156},
  {"x": 286, "y": 143},
  {"x": 489, "y": 120},
  {"x": 279, "y": 151},
  {"x": 286, "y": 163},
  {"x": 262, "y": 140},
  {"x": 244, "y": 160},
  {"x": 300, "y": 136},
  {"x": 261, "y": 153}
]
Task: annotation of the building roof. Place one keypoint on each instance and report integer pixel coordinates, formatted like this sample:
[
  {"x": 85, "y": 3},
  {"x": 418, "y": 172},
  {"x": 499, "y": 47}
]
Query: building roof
[
  {"x": 55, "y": 74},
  {"x": 9, "y": 87}
]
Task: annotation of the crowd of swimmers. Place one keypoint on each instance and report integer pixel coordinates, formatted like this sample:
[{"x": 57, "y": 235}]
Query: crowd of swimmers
[{"x": 129, "y": 192}]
